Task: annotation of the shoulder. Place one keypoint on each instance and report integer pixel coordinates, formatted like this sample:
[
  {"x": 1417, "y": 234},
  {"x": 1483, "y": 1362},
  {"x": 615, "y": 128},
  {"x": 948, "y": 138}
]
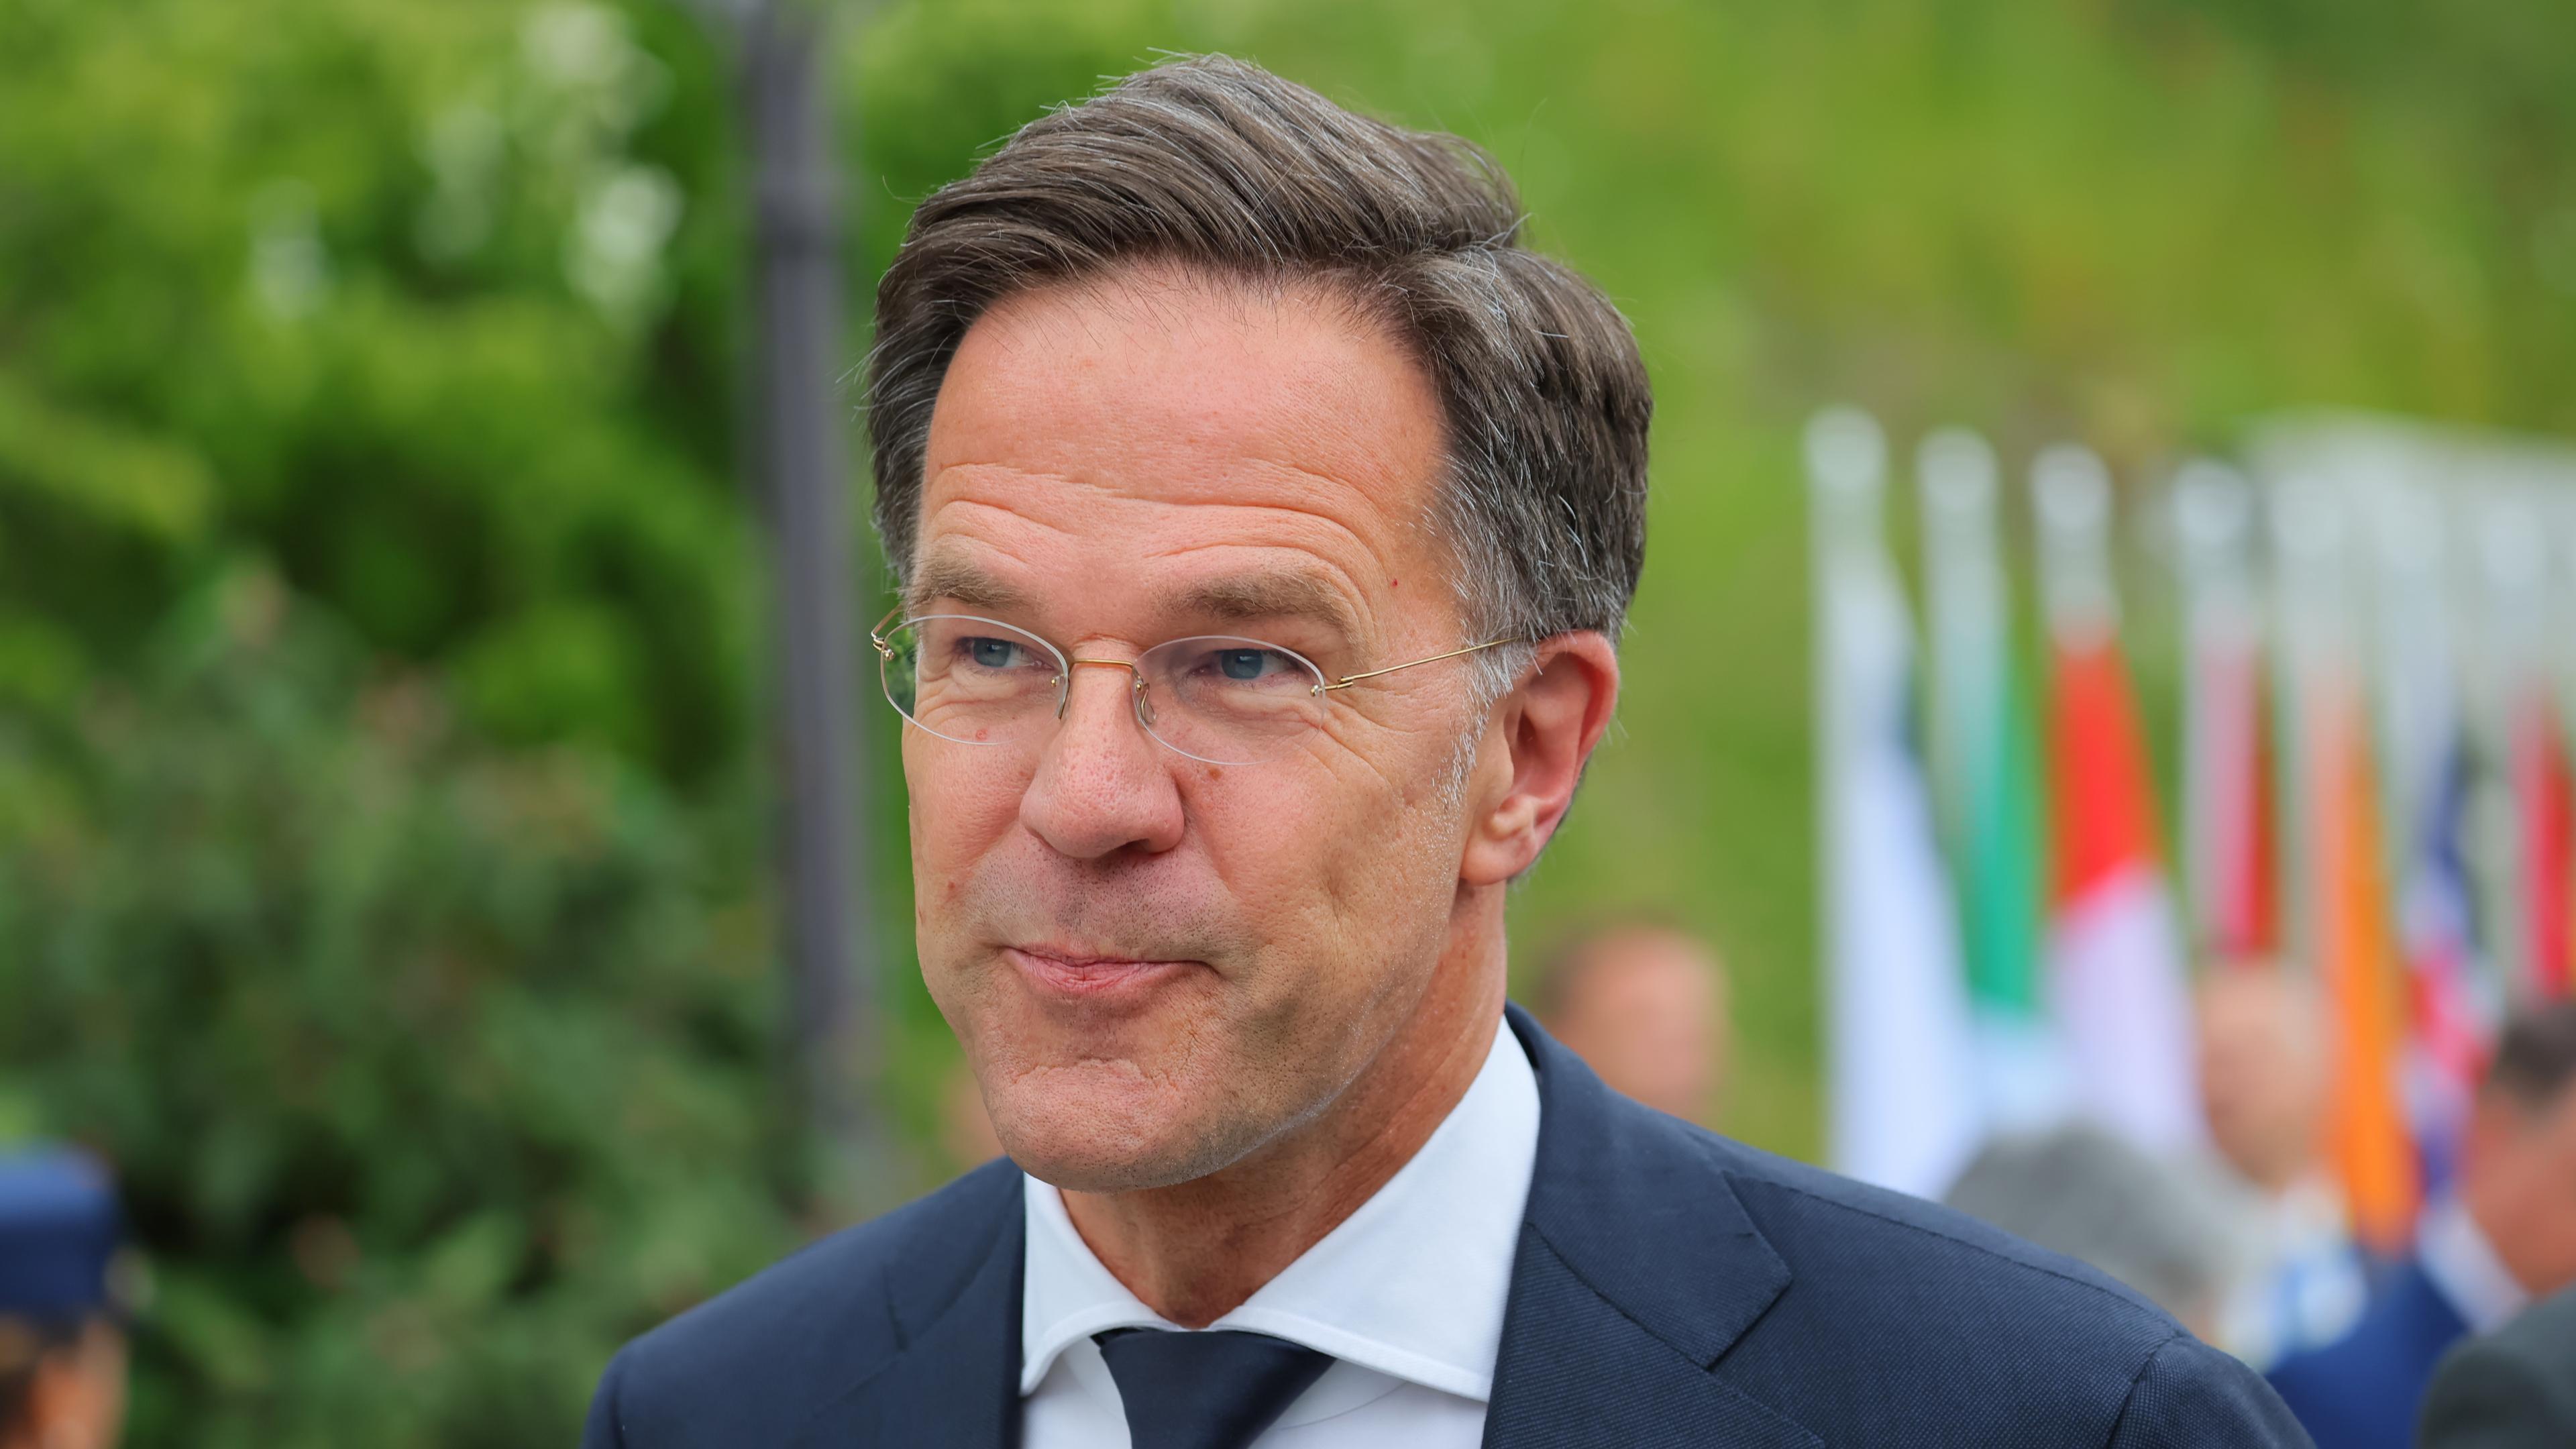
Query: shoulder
[
  {"x": 1850, "y": 1309},
  {"x": 756, "y": 1359},
  {"x": 1842, "y": 1236},
  {"x": 2514, "y": 1386},
  {"x": 2544, "y": 1337},
  {"x": 1898, "y": 1306}
]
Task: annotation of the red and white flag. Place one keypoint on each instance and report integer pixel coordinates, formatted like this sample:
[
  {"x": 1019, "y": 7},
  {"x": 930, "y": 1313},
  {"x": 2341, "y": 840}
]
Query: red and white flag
[{"x": 2117, "y": 984}]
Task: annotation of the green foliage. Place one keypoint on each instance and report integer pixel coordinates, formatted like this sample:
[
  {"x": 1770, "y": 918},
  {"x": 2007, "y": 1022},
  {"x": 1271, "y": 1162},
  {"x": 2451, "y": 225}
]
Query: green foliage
[
  {"x": 431, "y": 1071},
  {"x": 428, "y": 304}
]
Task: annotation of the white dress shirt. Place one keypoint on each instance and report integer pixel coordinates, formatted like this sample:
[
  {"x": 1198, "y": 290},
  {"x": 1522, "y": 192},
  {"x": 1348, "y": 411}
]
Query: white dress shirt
[
  {"x": 1406, "y": 1295},
  {"x": 2299, "y": 1283},
  {"x": 2463, "y": 1264}
]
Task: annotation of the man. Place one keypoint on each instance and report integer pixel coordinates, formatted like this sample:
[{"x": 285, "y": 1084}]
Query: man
[
  {"x": 2078, "y": 1190},
  {"x": 1264, "y": 513},
  {"x": 1645, "y": 1007},
  {"x": 2514, "y": 1388},
  {"x": 2508, "y": 1235},
  {"x": 2263, "y": 1092},
  {"x": 62, "y": 1355}
]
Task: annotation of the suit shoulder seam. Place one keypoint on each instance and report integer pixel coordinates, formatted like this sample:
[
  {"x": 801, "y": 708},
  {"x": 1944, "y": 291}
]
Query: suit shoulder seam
[{"x": 2129, "y": 1399}]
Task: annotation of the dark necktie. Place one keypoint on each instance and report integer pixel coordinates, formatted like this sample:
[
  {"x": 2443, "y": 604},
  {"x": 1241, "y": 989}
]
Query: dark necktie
[{"x": 1212, "y": 1390}]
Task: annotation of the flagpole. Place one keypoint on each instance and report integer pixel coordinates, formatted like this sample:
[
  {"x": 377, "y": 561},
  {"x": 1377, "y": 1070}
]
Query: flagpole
[
  {"x": 1981, "y": 757},
  {"x": 2117, "y": 981},
  {"x": 798, "y": 422},
  {"x": 2222, "y": 814},
  {"x": 1901, "y": 1078}
]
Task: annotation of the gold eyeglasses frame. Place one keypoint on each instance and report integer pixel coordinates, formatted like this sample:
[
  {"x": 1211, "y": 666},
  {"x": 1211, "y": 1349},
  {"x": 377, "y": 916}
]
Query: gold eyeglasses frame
[{"x": 1064, "y": 693}]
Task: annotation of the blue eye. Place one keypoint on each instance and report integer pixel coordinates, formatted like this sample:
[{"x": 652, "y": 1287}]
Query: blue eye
[
  {"x": 1244, "y": 664},
  {"x": 991, "y": 653}
]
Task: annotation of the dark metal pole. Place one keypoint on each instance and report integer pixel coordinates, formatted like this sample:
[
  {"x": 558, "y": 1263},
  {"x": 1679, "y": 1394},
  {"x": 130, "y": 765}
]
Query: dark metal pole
[{"x": 831, "y": 998}]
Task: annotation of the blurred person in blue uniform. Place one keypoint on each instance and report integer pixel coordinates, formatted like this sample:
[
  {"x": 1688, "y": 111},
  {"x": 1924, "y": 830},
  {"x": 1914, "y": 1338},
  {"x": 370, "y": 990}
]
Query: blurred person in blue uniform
[
  {"x": 2505, "y": 1236},
  {"x": 62, "y": 1351},
  {"x": 1645, "y": 1006},
  {"x": 2514, "y": 1388},
  {"x": 2299, "y": 1282}
]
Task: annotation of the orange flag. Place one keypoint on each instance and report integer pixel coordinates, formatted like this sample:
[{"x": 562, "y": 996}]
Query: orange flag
[{"x": 2367, "y": 1141}]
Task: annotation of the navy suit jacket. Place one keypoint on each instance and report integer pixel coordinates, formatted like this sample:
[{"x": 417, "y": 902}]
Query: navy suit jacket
[
  {"x": 1670, "y": 1288},
  {"x": 2362, "y": 1390}
]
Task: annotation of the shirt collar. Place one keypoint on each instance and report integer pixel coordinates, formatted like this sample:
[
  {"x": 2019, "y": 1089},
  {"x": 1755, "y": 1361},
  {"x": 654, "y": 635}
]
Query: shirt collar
[
  {"x": 1412, "y": 1284},
  {"x": 2463, "y": 1265}
]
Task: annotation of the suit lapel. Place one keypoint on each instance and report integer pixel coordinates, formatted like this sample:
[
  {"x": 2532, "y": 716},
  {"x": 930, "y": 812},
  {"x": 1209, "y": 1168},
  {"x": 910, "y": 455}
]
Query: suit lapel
[
  {"x": 956, "y": 1381},
  {"x": 1637, "y": 1270}
]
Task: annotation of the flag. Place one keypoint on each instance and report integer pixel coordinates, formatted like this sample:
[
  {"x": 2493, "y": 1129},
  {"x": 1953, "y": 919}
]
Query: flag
[
  {"x": 1903, "y": 1101},
  {"x": 2545, "y": 834},
  {"x": 2240, "y": 910},
  {"x": 2448, "y": 1015},
  {"x": 2449, "y": 1024},
  {"x": 2228, "y": 850},
  {"x": 2116, "y": 981},
  {"x": 1984, "y": 762},
  {"x": 2368, "y": 1144}
]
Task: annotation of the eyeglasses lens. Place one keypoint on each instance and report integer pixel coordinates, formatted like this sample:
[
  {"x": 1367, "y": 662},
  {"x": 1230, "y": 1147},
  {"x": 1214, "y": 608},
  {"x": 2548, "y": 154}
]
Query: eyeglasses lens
[
  {"x": 1216, "y": 698},
  {"x": 975, "y": 681}
]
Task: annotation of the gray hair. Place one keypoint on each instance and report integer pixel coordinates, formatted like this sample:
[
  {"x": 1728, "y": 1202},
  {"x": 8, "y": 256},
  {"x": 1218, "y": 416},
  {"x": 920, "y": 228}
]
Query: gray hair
[
  {"x": 2080, "y": 1191},
  {"x": 1222, "y": 167}
]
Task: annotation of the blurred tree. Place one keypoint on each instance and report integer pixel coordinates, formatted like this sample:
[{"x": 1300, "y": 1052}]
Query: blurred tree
[
  {"x": 431, "y": 1072},
  {"x": 430, "y": 304}
]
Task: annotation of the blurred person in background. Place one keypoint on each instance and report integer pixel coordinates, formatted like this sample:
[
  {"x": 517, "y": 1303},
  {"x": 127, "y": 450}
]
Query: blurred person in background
[
  {"x": 1265, "y": 514},
  {"x": 2505, "y": 1236},
  {"x": 2514, "y": 1388},
  {"x": 1644, "y": 1006},
  {"x": 2300, "y": 1282},
  {"x": 62, "y": 1353},
  {"x": 2081, "y": 1191}
]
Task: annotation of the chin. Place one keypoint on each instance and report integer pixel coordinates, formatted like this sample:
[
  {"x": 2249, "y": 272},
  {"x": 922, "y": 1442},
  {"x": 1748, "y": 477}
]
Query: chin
[{"x": 1098, "y": 1127}]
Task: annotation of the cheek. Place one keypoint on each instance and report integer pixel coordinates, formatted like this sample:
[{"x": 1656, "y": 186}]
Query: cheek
[
  {"x": 957, "y": 815},
  {"x": 1347, "y": 844}
]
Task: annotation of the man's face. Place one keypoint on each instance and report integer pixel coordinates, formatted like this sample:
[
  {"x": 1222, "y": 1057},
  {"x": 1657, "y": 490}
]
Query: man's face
[
  {"x": 1647, "y": 1013},
  {"x": 2518, "y": 1178},
  {"x": 2262, "y": 1084},
  {"x": 1158, "y": 965}
]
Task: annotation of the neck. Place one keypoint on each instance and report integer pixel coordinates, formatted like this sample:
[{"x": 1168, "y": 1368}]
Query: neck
[{"x": 1194, "y": 1251}]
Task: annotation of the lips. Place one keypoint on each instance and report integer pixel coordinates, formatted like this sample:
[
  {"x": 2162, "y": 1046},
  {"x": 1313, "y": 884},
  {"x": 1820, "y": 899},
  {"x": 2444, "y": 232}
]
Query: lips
[{"x": 1071, "y": 972}]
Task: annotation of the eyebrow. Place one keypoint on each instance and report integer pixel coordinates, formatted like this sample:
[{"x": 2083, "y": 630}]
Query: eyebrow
[
  {"x": 947, "y": 575},
  {"x": 1275, "y": 595}
]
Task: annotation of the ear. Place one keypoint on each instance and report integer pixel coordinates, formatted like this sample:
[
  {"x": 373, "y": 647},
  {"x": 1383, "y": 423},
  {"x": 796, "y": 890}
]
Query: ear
[{"x": 1535, "y": 747}]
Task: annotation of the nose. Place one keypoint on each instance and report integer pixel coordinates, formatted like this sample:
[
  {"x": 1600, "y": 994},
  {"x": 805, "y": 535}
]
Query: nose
[{"x": 1101, "y": 786}]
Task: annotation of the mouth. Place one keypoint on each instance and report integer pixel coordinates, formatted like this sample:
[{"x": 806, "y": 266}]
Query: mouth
[{"x": 1072, "y": 972}]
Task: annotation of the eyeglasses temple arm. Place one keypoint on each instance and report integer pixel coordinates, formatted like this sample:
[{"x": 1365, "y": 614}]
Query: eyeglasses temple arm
[
  {"x": 1347, "y": 680},
  {"x": 876, "y": 631}
]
